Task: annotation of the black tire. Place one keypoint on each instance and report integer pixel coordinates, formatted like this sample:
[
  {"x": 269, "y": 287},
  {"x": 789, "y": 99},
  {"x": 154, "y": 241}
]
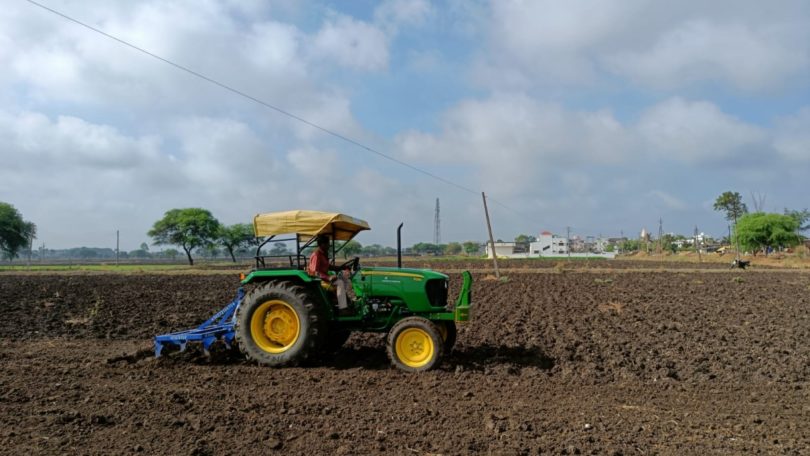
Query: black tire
[
  {"x": 275, "y": 342},
  {"x": 449, "y": 333},
  {"x": 415, "y": 345}
]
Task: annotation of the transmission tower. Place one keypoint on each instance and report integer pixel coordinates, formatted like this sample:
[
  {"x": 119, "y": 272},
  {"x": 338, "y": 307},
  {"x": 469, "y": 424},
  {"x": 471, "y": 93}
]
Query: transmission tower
[{"x": 437, "y": 229}]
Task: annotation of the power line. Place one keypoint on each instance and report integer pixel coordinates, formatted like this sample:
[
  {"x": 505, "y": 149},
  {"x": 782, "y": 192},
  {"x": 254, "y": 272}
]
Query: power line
[
  {"x": 254, "y": 99},
  {"x": 273, "y": 107}
]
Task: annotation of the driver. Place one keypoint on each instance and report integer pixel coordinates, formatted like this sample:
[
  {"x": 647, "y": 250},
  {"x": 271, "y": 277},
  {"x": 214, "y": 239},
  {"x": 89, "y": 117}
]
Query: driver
[{"x": 319, "y": 267}]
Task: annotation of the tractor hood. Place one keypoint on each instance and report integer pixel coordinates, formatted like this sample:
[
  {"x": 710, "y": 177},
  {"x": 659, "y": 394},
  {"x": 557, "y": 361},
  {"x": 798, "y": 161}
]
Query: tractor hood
[{"x": 417, "y": 274}]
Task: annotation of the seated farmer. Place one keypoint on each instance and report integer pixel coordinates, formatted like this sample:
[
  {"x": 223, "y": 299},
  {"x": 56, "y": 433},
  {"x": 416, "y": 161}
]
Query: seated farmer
[{"x": 319, "y": 267}]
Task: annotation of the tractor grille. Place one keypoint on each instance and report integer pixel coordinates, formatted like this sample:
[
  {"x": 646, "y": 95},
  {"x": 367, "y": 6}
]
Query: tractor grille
[{"x": 437, "y": 292}]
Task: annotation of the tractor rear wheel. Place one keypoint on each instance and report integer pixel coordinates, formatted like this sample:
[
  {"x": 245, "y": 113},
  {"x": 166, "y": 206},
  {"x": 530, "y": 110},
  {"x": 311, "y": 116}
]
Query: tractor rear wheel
[
  {"x": 415, "y": 344},
  {"x": 277, "y": 325}
]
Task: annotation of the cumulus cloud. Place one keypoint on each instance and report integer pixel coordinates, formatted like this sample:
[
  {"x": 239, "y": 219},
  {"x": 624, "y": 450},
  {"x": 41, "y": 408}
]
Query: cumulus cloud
[
  {"x": 747, "y": 45},
  {"x": 392, "y": 14},
  {"x": 698, "y": 132},
  {"x": 352, "y": 43},
  {"x": 68, "y": 143},
  {"x": 748, "y": 57},
  {"x": 516, "y": 140}
]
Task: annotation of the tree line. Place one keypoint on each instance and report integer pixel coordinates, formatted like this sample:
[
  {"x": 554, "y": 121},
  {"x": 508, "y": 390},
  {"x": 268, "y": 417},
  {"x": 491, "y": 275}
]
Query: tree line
[{"x": 195, "y": 229}]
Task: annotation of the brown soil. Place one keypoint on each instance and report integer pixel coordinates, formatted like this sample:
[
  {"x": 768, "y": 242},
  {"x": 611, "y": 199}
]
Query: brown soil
[{"x": 561, "y": 363}]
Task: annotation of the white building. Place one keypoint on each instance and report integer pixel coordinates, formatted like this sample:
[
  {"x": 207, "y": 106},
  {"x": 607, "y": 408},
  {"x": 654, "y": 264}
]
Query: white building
[
  {"x": 502, "y": 249},
  {"x": 548, "y": 244}
]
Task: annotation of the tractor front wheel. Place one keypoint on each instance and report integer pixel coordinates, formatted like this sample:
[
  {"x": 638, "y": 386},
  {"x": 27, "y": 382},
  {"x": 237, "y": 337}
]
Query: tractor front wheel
[
  {"x": 415, "y": 344},
  {"x": 278, "y": 325}
]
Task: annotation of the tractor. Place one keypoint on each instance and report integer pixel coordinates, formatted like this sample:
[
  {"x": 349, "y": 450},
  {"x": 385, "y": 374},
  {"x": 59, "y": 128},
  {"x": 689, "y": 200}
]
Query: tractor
[{"x": 286, "y": 316}]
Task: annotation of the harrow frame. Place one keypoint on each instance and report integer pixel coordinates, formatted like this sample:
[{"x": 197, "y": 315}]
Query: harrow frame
[{"x": 219, "y": 327}]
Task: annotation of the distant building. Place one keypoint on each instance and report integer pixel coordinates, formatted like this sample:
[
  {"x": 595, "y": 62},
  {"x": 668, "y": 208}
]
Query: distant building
[
  {"x": 548, "y": 244},
  {"x": 502, "y": 249}
]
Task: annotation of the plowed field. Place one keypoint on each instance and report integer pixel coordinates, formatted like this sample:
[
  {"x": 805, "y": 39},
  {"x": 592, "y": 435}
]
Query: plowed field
[{"x": 571, "y": 362}]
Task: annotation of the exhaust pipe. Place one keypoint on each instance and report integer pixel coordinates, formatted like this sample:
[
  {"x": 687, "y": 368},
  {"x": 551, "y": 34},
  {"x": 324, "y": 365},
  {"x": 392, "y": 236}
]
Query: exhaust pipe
[{"x": 399, "y": 246}]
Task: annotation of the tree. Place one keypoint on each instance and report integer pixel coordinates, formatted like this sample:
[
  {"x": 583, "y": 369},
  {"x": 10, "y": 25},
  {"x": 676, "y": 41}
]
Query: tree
[
  {"x": 351, "y": 248},
  {"x": 188, "y": 228},
  {"x": 234, "y": 237},
  {"x": 140, "y": 253},
  {"x": 424, "y": 248},
  {"x": 15, "y": 233},
  {"x": 801, "y": 218},
  {"x": 471, "y": 248},
  {"x": 171, "y": 253},
  {"x": 763, "y": 231},
  {"x": 731, "y": 203},
  {"x": 453, "y": 248},
  {"x": 279, "y": 248},
  {"x": 630, "y": 245}
]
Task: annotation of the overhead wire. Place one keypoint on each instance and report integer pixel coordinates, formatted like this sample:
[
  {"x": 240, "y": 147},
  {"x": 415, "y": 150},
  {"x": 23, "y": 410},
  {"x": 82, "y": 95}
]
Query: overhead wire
[{"x": 270, "y": 106}]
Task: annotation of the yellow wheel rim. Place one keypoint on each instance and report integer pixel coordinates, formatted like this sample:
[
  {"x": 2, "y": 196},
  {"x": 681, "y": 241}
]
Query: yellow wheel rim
[
  {"x": 274, "y": 326},
  {"x": 414, "y": 347}
]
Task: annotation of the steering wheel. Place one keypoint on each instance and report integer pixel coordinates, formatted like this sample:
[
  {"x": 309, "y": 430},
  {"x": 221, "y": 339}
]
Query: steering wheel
[{"x": 353, "y": 265}]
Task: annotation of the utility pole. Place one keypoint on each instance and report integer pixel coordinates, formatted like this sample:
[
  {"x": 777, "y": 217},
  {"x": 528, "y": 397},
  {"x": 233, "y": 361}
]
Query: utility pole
[
  {"x": 491, "y": 239},
  {"x": 437, "y": 236},
  {"x": 117, "y": 240},
  {"x": 568, "y": 241},
  {"x": 660, "y": 236},
  {"x": 697, "y": 247},
  {"x": 30, "y": 251}
]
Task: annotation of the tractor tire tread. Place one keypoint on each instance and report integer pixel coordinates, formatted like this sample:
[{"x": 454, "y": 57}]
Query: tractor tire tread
[{"x": 312, "y": 333}]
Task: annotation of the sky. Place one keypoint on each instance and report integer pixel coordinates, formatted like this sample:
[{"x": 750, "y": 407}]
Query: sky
[{"x": 604, "y": 117}]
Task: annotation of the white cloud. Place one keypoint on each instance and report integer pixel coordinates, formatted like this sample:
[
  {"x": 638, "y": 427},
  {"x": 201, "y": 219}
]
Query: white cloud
[
  {"x": 702, "y": 50},
  {"x": 392, "y": 14},
  {"x": 698, "y": 132},
  {"x": 352, "y": 43},
  {"x": 748, "y": 45},
  {"x": 516, "y": 141},
  {"x": 69, "y": 143}
]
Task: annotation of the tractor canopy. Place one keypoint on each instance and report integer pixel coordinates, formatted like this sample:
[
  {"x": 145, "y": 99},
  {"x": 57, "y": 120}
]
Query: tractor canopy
[{"x": 308, "y": 224}]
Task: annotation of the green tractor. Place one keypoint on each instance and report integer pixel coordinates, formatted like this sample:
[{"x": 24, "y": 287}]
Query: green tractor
[{"x": 287, "y": 316}]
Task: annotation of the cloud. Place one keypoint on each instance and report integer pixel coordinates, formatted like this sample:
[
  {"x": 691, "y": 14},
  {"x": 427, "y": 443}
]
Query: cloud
[
  {"x": 392, "y": 14},
  {"x": 351, "y": 43},
  {"x": 514, "y": 140},
  {"x": 746, "y": 45},
  {"x": 750, "y": 58},
  {"x": 792, "y": 136},
  {"x": 69, "y": 143},
  {"x": 697, "y": 132}
]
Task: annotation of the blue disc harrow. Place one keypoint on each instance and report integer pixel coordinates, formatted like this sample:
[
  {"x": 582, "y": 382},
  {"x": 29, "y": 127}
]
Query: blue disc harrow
[{"x": 218, "y": 327}]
